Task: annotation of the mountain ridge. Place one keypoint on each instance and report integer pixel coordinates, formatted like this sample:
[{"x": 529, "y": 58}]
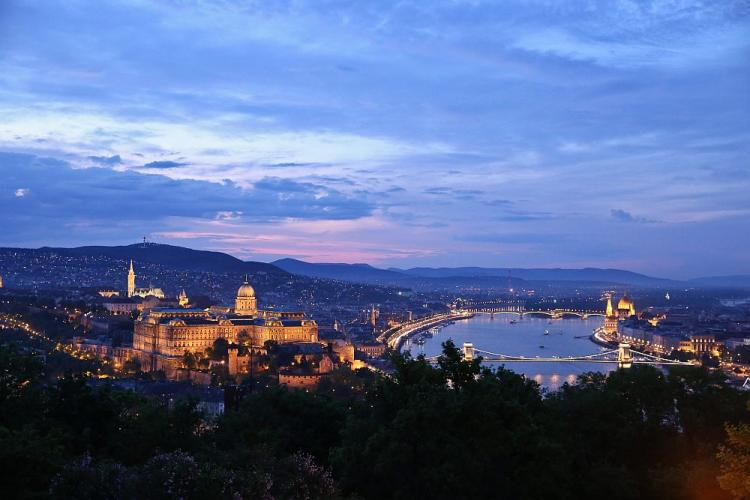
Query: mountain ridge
[
  {"x": 418, "y": 277},
  {"x": 463, "y": 276},
  {"x": 176, "y": 256}
]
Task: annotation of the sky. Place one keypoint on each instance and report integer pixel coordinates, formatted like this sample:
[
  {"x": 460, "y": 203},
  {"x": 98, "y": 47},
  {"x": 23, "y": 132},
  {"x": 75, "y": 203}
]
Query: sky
[{"x": 536, "y": 133}]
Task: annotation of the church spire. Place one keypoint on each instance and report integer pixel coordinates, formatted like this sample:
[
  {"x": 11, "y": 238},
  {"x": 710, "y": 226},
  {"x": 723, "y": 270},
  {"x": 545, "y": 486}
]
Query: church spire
[{"x": 131, "y": 280}]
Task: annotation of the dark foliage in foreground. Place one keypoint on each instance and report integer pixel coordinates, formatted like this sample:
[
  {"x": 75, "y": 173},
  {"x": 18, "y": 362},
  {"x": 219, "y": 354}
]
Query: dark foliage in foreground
[{"x": 451, "y": 431}]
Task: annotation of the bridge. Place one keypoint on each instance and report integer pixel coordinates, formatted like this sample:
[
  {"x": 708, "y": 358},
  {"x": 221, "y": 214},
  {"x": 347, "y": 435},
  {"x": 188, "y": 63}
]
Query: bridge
[
  {"x": 623, "y": 356},
  {"x": 522, "y": 311}
]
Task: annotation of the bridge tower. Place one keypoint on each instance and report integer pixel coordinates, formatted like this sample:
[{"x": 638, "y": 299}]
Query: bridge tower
[
  {"x": 624, "y": 356},
  {"x": 468, "y": 351}
]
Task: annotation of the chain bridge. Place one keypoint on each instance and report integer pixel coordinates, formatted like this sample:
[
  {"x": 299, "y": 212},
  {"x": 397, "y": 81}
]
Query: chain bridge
[{"x": 623, "y": 356}]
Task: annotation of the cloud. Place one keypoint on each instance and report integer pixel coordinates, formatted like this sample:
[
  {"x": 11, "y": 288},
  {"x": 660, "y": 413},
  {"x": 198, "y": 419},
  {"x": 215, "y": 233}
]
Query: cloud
[
  {"x": 454, "y": 193},
  {"x": 540, "y": 239},
  {"x": 625, "y": 216},
  {"x": 106, "y": 160},
  {"x": 103, "y": 196},
  {"x": 499, "y": 203},
  {"x": 163, "y": 164},
  {"x": 295, "y": 164},
  {"x": 228, "y": 215},
  {"x": 539, "y": 113}
]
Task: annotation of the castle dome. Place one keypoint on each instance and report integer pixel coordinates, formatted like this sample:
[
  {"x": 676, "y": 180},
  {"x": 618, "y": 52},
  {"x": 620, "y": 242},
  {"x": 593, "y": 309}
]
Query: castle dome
[{"x": 246, "y": 290}]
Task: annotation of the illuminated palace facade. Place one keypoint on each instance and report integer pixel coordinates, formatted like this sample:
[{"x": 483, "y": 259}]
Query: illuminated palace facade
[{"x": 163, "y": 335}]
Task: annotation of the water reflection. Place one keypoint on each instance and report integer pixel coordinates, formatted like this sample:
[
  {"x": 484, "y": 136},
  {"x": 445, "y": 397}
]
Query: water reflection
[{"x": 527, "y": 336}]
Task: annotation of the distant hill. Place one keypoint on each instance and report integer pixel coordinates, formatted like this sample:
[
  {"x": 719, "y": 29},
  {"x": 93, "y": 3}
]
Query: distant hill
[
  {"x": 173, "y": 256},
  {"x": 364, "y": 273},
  {"x": 589, "y": 274},
  {"x": 425, "y": 277},
  {"x": 735, "y": 281},
  {"x": 420, "y": 278},
  {"x": 214, "y": 275}
]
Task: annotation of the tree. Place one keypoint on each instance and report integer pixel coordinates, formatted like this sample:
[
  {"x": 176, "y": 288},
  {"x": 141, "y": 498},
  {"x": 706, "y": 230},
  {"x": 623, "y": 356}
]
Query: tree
[
  {"x": 189, "y": 361},
  {"x": 461, "y": 373},
  {"x": 220, "y": 349},
  {"x": 734, "y": 457},
  {"x": 93, "y": 481},
  {"x": 243, "y": 338},
  {"x": 469, "y": 439},
  {"x": 131, "y": 366},
  {"x": 299, "y": 476}
]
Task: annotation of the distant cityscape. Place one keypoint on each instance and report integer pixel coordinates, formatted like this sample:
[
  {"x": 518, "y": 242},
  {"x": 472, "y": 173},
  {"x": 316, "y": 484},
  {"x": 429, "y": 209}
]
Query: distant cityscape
[
  {"x": 193, "y": 306},
  {"x": 179, "y": 329}
]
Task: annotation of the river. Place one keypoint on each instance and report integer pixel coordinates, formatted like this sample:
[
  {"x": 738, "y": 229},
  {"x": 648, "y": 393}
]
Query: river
[{"x": 567, "y": 337}]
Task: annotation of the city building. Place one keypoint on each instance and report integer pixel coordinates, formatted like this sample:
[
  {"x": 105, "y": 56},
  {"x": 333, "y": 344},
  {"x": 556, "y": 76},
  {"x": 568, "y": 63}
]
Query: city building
[
  {"x": 311, "y": 364},
  {"x": 703, "y": 343},
  {"x": 182, "y": 299},
  {"x": 133, "y": 291},
  {"x": 163, "y": 335},
  {"x": 625, "y": 309},
  {"x": 120, "y": 305},
  {"x": 371, "y": 349}
]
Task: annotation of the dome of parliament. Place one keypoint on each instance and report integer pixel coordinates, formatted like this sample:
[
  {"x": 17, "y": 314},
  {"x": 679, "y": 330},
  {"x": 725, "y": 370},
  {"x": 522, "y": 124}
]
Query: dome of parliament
[
  {"x": 246, "y": 290},
  {"x": 625, "y": 303}
]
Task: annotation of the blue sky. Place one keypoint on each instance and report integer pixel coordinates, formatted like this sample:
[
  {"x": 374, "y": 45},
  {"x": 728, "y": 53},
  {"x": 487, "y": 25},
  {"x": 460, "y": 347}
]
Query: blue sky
[{"x": 517, "y": 133}]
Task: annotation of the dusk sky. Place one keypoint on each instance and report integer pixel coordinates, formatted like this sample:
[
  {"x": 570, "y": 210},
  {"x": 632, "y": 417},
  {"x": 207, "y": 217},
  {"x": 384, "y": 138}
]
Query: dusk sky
[{"x": 515, "y": 133}]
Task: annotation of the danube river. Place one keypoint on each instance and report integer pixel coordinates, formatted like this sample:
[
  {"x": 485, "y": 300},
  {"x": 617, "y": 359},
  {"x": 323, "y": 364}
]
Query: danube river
[{"x": 511, "y": 335}]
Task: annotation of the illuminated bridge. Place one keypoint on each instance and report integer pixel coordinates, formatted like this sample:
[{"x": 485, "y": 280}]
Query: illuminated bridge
[
  {"x": 623, "y": 356},
  {"x": 522, "y": 311}
]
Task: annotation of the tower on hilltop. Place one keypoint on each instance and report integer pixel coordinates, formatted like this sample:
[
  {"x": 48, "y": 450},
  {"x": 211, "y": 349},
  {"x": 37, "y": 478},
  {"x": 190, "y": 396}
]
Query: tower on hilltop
[{"x": 131, "y": 280}]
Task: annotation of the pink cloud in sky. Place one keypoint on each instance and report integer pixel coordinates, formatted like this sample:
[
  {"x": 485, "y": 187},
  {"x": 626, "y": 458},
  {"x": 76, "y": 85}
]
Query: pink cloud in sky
[{"x": 359, "y": 240}]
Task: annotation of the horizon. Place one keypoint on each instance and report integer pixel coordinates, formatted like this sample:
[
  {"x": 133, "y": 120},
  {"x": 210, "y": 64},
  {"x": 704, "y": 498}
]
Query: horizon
[
  {"x": 390, "y": 268},
  {"x": 523, "y": 135}
]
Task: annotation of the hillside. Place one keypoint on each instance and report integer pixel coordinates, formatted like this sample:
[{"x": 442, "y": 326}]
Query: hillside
[
  {"x": 442, "y": 278},
  {"x": 346, "y": 272},
  {"x": 540, "y": 274},
  {"x": 173, "y": 256}
]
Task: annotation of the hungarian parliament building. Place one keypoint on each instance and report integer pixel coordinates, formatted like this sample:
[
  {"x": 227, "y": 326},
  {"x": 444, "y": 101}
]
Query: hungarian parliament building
[{"x": 162, "y": 336}]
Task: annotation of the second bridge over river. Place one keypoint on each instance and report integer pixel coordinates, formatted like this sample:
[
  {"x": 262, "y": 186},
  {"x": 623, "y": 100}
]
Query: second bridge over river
[{"x": 522, "y": 311}]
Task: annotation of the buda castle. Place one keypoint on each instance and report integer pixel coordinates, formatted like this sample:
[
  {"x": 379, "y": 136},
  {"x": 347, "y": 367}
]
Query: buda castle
[{"x": 162, "y": 336}]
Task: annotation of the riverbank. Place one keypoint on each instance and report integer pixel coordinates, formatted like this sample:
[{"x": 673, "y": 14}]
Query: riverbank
[
  {"x": 598, "y": 338},
  {"x": 396, "y": 339}
]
